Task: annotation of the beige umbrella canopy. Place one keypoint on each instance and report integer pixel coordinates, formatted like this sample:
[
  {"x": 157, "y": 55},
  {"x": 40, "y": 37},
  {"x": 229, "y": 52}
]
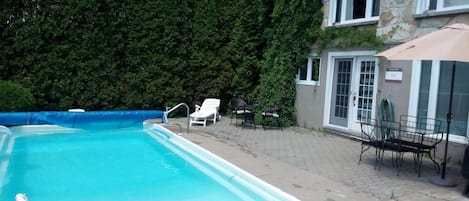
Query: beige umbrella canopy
[{"x": 451, "y": 43}]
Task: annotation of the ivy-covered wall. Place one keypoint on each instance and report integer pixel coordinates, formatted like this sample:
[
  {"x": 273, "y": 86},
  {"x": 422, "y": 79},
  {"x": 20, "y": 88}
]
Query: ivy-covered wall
[{"x": 295, "y": 25}]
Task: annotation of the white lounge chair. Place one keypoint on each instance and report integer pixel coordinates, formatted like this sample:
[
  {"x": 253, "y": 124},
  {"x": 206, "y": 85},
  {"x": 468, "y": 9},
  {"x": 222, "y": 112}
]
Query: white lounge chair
[{"x": 208, "y": 111}]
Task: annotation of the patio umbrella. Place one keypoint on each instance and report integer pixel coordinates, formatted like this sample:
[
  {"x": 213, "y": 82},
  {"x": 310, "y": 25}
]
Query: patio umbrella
[{"x": 450, "y": 43}]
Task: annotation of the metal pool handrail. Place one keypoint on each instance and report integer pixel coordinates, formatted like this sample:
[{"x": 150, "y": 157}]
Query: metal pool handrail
[{"x": 165, "y": 116}]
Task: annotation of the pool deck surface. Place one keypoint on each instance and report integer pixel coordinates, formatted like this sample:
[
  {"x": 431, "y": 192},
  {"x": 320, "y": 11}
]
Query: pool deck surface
[{"x": 312, "y": 165}]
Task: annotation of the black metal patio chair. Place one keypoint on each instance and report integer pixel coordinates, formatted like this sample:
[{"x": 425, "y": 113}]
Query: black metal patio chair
[
  {"x": 383, "y": 136},
  {"x": 239, "y": 108},
  {"x": 421, "y": 135},
  {"x": 271, "y": 114}
]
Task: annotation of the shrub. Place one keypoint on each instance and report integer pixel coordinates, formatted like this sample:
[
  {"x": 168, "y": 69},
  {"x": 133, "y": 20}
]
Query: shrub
[{"x": 14, "y": 97}]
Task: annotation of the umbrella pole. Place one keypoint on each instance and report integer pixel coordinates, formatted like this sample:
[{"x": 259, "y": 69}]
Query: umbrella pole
[{"x": 437, "y": 180}]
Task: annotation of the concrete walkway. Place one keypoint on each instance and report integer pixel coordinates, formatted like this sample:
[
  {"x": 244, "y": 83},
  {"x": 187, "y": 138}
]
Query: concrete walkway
[{"x": 312, "y": 165}]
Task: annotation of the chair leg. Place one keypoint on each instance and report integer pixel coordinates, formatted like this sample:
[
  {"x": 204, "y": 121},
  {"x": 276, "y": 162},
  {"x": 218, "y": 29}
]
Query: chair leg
[
  {"x": 466, "y": 189},
  {"x": 263, "y": 122},
  {"x": 236, "y": 120},
  {"x": 363, "y": 150},
  {"x": 271, "y": 120},
  {"x": 437, "y": 166},
  {"x": 361, "y": 153},
  {"x": 381, "y": 158},
  {"x": 278, "y": 123},
  {"x": 377, "y": 153}
]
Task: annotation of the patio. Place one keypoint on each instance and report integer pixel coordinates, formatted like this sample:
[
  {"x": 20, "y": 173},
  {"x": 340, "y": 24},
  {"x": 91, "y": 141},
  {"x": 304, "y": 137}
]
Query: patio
[{"x": 313, "y": 165}]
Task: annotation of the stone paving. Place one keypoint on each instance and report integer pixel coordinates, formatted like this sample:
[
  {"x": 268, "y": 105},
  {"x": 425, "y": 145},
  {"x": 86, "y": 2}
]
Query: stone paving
[{"x": 336, "y": 158}]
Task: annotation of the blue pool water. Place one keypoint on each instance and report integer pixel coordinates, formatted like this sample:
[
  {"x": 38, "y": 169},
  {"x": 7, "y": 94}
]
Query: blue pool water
[{"x": 114, "y": 165}]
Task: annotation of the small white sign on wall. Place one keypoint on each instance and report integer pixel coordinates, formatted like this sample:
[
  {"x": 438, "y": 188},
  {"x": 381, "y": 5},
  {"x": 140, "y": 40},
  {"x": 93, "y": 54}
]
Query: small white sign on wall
[{"x": 393, "y": 74}]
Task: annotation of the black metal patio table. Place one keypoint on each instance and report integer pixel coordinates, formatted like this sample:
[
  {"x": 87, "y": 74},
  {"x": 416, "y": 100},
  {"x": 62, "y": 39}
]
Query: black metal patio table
[{"x": 414, "y": 135}]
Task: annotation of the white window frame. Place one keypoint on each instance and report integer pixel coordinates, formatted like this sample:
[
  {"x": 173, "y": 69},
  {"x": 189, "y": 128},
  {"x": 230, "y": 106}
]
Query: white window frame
[
  {"x": 343, "y": 21},
  {"x": 309, "y": 80},
  {"x": 424, "y": 6},
  {"x": 433, "y": 96}
]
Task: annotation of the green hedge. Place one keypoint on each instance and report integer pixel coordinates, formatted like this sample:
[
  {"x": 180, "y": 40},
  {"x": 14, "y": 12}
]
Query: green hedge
[
  {"x": 145, "y": 54},
  {"x": 15, "y": 98}
]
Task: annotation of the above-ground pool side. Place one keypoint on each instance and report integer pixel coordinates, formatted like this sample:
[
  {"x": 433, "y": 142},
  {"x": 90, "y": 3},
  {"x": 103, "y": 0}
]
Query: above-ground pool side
[{"x": 118, "y": 118}]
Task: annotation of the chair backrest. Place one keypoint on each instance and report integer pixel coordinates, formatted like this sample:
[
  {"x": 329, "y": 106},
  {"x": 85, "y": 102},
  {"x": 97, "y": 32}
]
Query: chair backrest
[
  {"x": 368, "y": 130},
  {"x": 389, "y": 130},
  {"x": 210, "y": 104},
  {"x": 237, "y": 103},
  {"x": 421, "y": 123},
  {"x": 376, "y": 130},
  {"x": 430, "y": 131},
  {"x": 276, "y": 109}
]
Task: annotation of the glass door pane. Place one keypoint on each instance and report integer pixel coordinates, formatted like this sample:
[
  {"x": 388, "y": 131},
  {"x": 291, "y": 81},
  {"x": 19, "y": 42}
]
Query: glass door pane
[
  {"x": 460, "y": 108},
  {"x": 365, "y": 90},
  {"x": 424, "y": 90},
  {"x": 341, "y": 92}
]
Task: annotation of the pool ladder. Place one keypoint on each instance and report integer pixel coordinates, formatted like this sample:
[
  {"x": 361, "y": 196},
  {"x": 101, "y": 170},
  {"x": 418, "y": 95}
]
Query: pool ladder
[{"x": 170, "y": 109}]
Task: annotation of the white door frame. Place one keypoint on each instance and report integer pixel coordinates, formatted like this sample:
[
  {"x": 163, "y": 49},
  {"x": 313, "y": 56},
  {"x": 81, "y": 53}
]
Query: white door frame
[{"x": 331, "y": 56}]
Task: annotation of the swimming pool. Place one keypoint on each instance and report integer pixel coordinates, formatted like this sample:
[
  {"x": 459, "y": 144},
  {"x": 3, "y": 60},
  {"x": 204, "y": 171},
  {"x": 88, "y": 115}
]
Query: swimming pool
[{"x": 136, "y": 163}]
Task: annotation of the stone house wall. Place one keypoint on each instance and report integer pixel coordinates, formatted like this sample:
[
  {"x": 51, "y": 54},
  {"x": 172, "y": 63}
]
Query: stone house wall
[{"x": 399, "y": 23}]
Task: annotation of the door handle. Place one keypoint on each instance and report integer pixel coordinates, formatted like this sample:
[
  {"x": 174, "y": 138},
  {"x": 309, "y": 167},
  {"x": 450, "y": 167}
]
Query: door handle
[{"x": 354, "y": 98}]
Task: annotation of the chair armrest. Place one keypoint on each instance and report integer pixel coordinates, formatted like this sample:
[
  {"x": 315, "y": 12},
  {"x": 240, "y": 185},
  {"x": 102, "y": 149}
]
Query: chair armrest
[
  {"x": 275, "y": 109},
  {"x": 248, "y": 108}
]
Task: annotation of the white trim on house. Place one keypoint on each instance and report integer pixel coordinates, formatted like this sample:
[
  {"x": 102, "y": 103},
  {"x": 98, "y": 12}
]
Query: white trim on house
[
  {"x": 424, "y": 7},
  {"x": 433, "y": 91},
  {"x": 309, "y": 80},
  {"x": 343, "y": 21},
  {"x": 414, "y": 87}
]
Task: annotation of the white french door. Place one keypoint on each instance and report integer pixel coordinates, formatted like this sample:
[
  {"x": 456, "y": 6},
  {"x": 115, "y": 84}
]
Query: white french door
[
  {"x": 353, "y": 92},
  {"x": 364, "y": 91}
]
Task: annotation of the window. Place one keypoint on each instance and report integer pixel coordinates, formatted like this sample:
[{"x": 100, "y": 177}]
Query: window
[
  {"x": 460, "y": 96},
  {"x": 309, "y": 72},
  {"x": 433, "y": 98},
  {"x": 441, "y": 5},
  {"x": 353, "y": 11}
]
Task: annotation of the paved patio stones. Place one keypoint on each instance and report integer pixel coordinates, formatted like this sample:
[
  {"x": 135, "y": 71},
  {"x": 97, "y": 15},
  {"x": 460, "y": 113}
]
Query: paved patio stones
[{"x": 313, "y": 165}]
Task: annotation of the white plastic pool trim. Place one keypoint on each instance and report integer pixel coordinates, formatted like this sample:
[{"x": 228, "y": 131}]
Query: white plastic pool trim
[{"x": 231, "y": 172}]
